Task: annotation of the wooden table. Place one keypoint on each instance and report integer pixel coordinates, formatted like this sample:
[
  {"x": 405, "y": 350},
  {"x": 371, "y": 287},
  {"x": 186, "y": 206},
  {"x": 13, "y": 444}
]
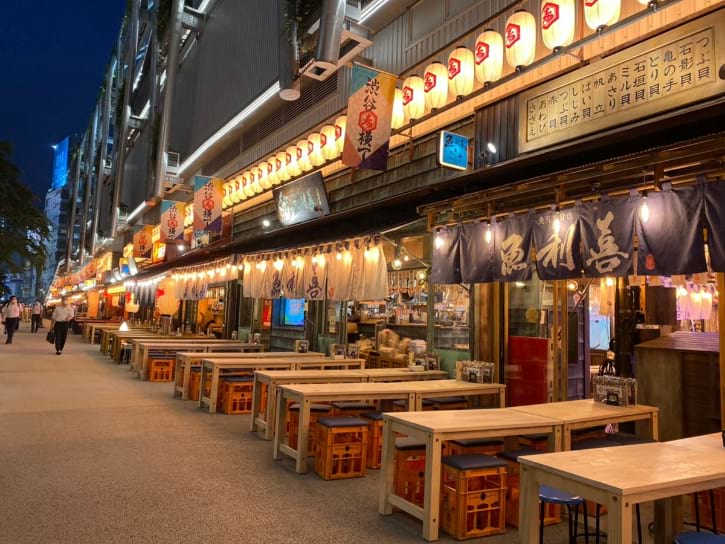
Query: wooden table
[
  {"x": 585, "y": 413},
  {"x": 212, "y": 368},
  {"x": 308, "y": 394},
  {"x": 264, "y": 421},
  {"x": 111, "y": 339},
  {"x": 434, "y": 428},
  {"x": 186, "y": 360},
  {"x": 88, "y": 326},
  {"x": 621, "y": 477}
]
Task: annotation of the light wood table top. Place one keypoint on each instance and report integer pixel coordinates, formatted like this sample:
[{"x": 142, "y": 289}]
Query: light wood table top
[{"x": 142, "y": 350}]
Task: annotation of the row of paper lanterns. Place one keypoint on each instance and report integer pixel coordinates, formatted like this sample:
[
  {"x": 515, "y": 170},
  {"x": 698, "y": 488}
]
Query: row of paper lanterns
[
  {"x": 440, "y": 84},
  {"x": 304, "y": 156}
]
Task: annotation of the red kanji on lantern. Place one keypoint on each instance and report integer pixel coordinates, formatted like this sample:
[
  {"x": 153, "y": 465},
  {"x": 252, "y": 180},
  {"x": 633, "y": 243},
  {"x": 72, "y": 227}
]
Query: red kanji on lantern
[
  {"x": 482, "y": 52},
  {"x": 513, "y": 34},
  {"x": 407, "y": 95},
  {"x": 549, "y": 14},
  {"x": 430, "y": 81},
  {"x": 590, "y": 3},
  {"x": 454, "y": 67},
  {"x": 368, "y": 121}
]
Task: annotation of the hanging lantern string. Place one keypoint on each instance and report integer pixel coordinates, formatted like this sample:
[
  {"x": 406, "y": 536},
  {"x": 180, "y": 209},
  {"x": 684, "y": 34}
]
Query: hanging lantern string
[{"x": 322, "y": 248}]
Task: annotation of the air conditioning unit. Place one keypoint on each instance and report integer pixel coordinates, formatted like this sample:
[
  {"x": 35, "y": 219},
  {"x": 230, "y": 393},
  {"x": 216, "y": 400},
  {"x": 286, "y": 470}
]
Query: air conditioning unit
[{"x": 172, "y": 163}]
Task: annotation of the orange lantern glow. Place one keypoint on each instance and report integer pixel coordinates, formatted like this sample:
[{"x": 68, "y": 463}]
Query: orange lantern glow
[
  {"x": 259, "y": 174},
  {"x": 247, "y": 181},
  {"x": 460, "y": 71},
  {"x": 488, "y": 56},
  {"x": 240, "y": 188},
  {"x": 413, "y": 97},
  {"x": 272, "y": 171},
  {"x": 340, "y": 128},
  {"x": 226, "y": 201},
  {"x": 520, "y": 39},
  {"x": 435, "y": 86},
  {"x": 233, "y": 190},
  {"x": 397, "y": 118},
  {"x": 601, "y": 13},
  {"x": 314, "y": 146},
  {"x": 557, "y": 23},
  {"x": 282, "y": 167},
  {"x": 329, "y": 146},
  {"x": 293, "y": 166},
  {"x": 303, "y": 155}
]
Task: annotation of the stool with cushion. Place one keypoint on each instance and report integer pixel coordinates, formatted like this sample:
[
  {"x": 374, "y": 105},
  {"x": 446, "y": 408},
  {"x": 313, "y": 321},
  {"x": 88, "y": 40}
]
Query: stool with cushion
[
  {"x": 699, "y": 538},
  {"x": 375, "y": 438},
  {"x": 342, "y": 445},
  {"x": 449, "y": 403},
  {"x": 351, "y": 409},
  {"x": 550, "y": 495},
  {"x": 293, "y": 423},
  {"x": 409, "y": 470},
  {"x": 473, "y": 495}
]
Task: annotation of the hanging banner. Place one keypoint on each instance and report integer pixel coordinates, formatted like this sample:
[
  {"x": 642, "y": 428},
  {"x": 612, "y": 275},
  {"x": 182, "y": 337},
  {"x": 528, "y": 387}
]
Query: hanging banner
[
  {"x": 715, "y": 217},
  {"x": 142, "y": 244},
  {"x": 369, "y": 112},
  {"x": 607, "y": 232},
  {"x": 172, "y": 220},
  {"x": 208, "y": 196},
  {"x": 669, "y": 231},
  {"x": 477, "y": 252},
  {"x": 314, "y": 277},
  {"x": 445, "y": 260},
  {"x": 556, "y": 238},
  {"x": 512, "y": 238}
]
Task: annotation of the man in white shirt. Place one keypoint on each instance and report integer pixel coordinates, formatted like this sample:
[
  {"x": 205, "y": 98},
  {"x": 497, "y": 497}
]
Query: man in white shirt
[
  {"x": 62, "y": 316},
  {"x": 11, "y": 314},
  {"x": 36, "y": 316}
]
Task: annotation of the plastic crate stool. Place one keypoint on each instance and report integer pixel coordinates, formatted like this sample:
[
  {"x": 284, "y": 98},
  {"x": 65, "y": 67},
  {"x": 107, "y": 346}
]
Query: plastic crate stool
[
  {"x": 351, "y": 409},
  {"x": 402, "y": 406},
  {"x": 552, "y": 513},
  {"x": 293, "y": 423},
  {"x": 471, "y": 446},
  {"x": 194, "y": 384},
  {"x": 409, "y": 470},
  {"x": 342, "y": 447},
  {"x": 375, "y": 438},
  {"x": 236, "y": 395},
  {"x": 161, "y": 370},
  {"x": 713, "y": 509},
  {"x": 473, "y": 496},
  {"x": 449, "y": 403}
]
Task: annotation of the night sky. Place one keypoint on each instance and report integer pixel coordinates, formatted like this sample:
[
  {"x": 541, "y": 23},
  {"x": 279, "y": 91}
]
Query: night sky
[{"x": 52, "y": 59}]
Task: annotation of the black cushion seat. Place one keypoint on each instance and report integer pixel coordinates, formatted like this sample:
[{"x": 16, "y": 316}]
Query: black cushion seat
[
  {"x": 338, "y": 422},
  {"x": 472, "y": 462}
]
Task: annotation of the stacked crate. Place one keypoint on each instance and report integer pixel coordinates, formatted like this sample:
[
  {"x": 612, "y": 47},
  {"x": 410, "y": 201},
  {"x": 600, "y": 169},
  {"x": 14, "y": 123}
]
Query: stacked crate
[
  {"x": 342, "y": 444},
  {"x": 236, "y": 397},
  {"x": 161, "y": 367},
  {"x": 409, "y": 470}
]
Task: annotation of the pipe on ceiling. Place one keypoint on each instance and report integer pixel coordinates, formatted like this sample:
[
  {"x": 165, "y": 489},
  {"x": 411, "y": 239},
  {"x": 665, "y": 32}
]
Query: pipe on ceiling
[{"x": 332, "y": 18}]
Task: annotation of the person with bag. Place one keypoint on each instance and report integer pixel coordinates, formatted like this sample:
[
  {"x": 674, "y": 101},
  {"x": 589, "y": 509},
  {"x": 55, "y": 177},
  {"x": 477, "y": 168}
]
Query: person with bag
[
  {"x": 11, "y": 317},
  {"x": 62, "y": 316},
  {"x": 36, "y": 317}
]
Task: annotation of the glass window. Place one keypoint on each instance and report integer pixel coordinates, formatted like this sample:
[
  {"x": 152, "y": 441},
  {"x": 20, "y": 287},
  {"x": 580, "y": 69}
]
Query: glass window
[{"x": 451, "y": 317}]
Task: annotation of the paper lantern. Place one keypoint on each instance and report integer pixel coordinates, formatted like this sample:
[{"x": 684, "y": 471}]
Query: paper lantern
[
  {"x": 328, "y": 144},
  {"x": 340, "y": 128},
  {"x": 226, "y": 201},
  {"x": 272, "y": 171},
  {"x": 488, "y": 56},
  {"x": 520, "y": 39},
  {"x": 257, "y": 182},
  {"x": 314, "y": 146},
  {"x": 293, "y": 166},
  {"x": 263, "y": 169},
  {"x": 240, "y": 188},
  {"x": 248, "y": 180},
  {"x": 283, "y": 169},
  {"x": 460, "y": 71},
  {"x": 557, "y": 23},
  {"x": 413, "y": 97},
  {"x": 233, "y": 190},
  {"x": 303, "y": 156},
  {"x": 397, "y": 118},
  {"x": 601, "y": 13},
  {"x": 435, "y": 86}
]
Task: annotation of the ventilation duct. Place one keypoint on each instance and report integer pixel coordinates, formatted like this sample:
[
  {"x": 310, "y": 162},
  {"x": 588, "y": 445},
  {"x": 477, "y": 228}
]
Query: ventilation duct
[
  {"x": 332, "y": 18},
  {"x": 287, "y": 56}
]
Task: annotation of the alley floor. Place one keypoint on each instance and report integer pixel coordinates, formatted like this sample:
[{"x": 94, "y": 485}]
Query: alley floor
[{"x": 90, "y": 454}]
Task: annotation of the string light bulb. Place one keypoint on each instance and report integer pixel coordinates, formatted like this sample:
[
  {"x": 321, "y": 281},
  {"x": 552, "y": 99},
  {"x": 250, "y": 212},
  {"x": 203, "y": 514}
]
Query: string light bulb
[
  {"x": 644, "y": 210},
  {"x": 489, "y": 233},
  {"x": 397, "y": 264},
  {"x": 438, "y": 240}
]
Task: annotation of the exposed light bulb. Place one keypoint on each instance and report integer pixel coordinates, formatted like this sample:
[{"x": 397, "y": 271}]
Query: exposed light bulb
[
  {"x": 397, "y": 264},
  {"x": 609, "y": 282},
  {"x": 278, "y": 264},
  {"x": 406, "y": 258},
  {"x": 557, "y": 224},
  {"x": 644, "y": 211},
  {"x": 438, "y": 241},
  {"x": 572, "y": 286},
  {"x": 421, "y": 275},
  {"x": 520, "y": 284},
  {"x": 266, "y": 223},
  {"x": 338, "y": 256},
  {"x": 489, "y": 234}
]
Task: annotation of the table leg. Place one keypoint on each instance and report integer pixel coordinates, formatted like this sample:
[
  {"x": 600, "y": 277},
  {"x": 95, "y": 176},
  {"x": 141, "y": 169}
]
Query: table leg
[
  {"x": 279, "y": 426},
  {"x": 415, "y": 403},
  {"x": 387, "y": 469},
  {"x": 202, "y": 379},
  {"x": 566, "y": 438},
  {"x": 431, "y": 501},
  {"x": 214, "y": 390},
  {"x": 271, "y": 411},
  {"x": 619, "y": 521},
  {"x": 302, "y": 434},
  {"x": 668, "y": 519},
  {"x": 186, "y": 381},
  {"x": 528, "y": 506},
  {"x": 502, "y": 397},
  {"x": 655, "y": 426}
]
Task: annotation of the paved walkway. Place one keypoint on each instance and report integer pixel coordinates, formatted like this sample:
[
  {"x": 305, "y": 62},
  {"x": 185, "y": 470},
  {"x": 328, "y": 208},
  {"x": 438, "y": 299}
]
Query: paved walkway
[{"x": 89, "y": 454}]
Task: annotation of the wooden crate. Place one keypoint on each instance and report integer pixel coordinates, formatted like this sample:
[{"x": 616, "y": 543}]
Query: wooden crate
[
  {"x": 409, "y": 471},
  {"x": 341, "y": 449},
  {"x": 375, "y": 441},
  {"x": 161, "y": 370},
  {"x": 236, "y": 397},
  {"x": 194, "y": 384},
  {"x": 293, "y": 421},
  {"x": 704, "y": 503},
  {"x": 471, "y": 447},
  {"x": 473, "y": 502}
]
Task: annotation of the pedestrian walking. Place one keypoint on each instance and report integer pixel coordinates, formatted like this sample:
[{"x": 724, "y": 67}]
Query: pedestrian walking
[
  {"x": 11, "y": 317},
  {"x": 63, "y": 314},
  {"x": 36, "y": 317}
]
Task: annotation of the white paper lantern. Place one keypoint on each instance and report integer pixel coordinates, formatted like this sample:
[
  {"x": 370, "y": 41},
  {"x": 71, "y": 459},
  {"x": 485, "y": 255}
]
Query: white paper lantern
[
  {"x": 557, "y": 23},
  {"x": 240, "y": 188},
  {"x": 314, "y": 146},
  {"x": 293, "y": 166},
  {"x": 435, "y": 86},
  {"x": 520, "y": 39},
  {"x": 328, "y": 143},
  {"x": 397, "y": 118},
  {"x": 248, "y": 183},
  {"x": 413, "y": 97},
  {"x": 340, "y": 128},
  {"x": 303, "y": 155},
  {"x": 233, "y": 190},
  {"x": 488, "y": 56},
  {"x": 460, "y": 71},
  {"x": 226, "y": 201},
  {"x": 259, "y": 173},
  {"x": 601, "y": 13},
  {"x": 283, "y": 160}
]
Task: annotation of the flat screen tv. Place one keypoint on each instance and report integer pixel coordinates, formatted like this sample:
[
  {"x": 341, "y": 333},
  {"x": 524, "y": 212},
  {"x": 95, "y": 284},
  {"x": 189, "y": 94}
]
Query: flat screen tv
[{"x": 293, "y": 312}]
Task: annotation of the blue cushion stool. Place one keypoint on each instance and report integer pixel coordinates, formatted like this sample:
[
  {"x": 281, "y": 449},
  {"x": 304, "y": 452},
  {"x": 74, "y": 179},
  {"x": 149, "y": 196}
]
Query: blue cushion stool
[
  {"x": 699, "y": 538},
  {"x": 373, "y": 416},
  {"x": 552, "y": 495},
  {"x": 295, "y": 407},
  {"x": 353, "y": 406},
  {"x": 238, "y": 379},
  {"x": 342, "y": 444},
  {"x": 404, "y": 405}
]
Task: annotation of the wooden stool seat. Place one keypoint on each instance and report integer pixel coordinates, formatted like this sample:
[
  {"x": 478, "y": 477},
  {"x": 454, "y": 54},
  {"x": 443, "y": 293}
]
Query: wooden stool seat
[{"x": 342, "y": 444}]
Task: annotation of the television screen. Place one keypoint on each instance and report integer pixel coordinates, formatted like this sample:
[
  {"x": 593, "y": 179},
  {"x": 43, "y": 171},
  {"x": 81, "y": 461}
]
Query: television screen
[{"x": 293, "y": 312}]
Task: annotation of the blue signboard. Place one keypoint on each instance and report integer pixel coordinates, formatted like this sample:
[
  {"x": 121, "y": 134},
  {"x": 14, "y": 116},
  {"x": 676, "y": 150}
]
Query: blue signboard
[
  {"x": 452, "y": 150},
  {"x": 60, "y": 164}
]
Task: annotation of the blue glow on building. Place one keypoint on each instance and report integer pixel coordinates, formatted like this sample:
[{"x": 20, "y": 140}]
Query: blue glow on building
[{"x": 60, "y": 164}]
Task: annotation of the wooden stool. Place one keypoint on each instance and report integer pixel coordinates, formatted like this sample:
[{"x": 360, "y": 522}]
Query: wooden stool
[
  {"x": 473, "y": 496},
  {"x": 342, "y": 445},
  {"x": 195, "y": 384},
  {"x": 472, "y": 446},
  {"x": 351, "y": 409},
  {"x": 375, "y": 438},
  {"x": 161, "y": 369},
  {"x": 449, "y": 403},
  {"x": 552, "y": 513},
  {"x": 293, "y": 423},
  {"x": 236, "y": 397},
  {"x": 409, "y": 470}
]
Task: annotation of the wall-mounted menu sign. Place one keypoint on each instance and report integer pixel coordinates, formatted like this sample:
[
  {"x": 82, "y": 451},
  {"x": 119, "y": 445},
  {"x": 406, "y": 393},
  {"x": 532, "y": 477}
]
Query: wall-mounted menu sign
[
  {"x": 452, "y": 150},
  {"x": 672, "y": 70},
  {"x": 302, "y": 200}
]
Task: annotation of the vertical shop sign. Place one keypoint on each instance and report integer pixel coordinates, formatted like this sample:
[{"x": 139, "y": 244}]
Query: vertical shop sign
[
  {"x": 607, "y": 231},
  {"x": 556, "y": 238},
  {"x": 208, "y": 196},
  {"x": 513, "y": 248},
  {"x": 142, "y": 243},
  {"x": 477, "y": 252},
  {"x": 369, "y": 113},
  {"x": 172, "y": 220},
  {"x": 670, "y": 234},
  {"x": 715, "y": 217}
]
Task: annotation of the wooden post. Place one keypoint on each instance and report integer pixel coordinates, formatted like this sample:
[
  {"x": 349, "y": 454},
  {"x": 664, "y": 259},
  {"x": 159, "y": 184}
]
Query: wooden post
[{"x": 721, "y": 329}]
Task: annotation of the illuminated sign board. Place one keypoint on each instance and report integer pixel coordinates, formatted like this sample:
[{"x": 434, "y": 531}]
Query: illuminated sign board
[
  {"x": 60, "y": 164},
  {"x": 452, "y": 150},
  {"x": 302, "y": 200}
]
